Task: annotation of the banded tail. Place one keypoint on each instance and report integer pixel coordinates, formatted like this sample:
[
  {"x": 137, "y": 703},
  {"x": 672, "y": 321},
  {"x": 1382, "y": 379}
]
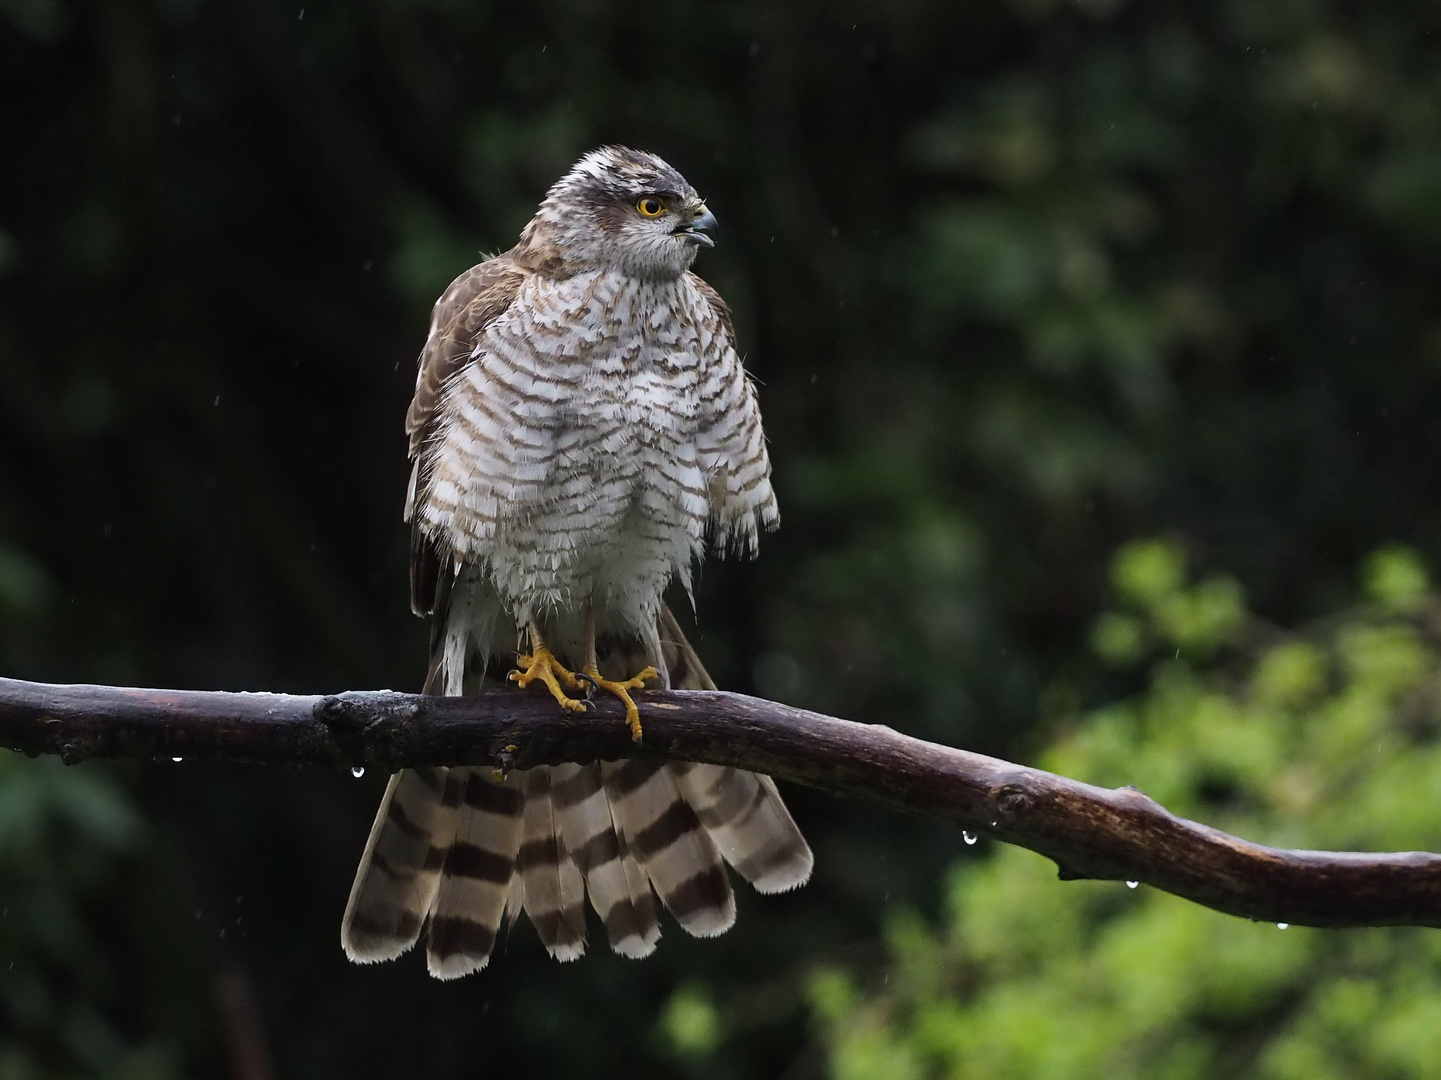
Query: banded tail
[{"x": 458, "y": 849}]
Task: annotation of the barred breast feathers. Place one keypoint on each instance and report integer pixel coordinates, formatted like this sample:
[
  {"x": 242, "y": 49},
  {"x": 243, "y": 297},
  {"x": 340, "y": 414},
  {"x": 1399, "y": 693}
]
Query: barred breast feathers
[{"x": 493, "y": 428}]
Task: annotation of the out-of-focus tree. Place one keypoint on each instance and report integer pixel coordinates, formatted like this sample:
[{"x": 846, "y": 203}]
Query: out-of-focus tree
[
  {"x": 1327, "y": 737},
  {"x": 1020, "y": 280},
  {"x": 67, "y": 838}
]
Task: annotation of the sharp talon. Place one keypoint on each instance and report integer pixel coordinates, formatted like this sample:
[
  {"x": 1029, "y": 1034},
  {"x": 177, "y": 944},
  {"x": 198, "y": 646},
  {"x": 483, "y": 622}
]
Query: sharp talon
[
  {"x": 621, "y": 689},
  {"x": 593, "y": 684},
  {"x": 542, "y": 665}
]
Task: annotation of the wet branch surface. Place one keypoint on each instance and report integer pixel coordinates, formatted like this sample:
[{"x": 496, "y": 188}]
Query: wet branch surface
[{"x": 1090, "y": 832}]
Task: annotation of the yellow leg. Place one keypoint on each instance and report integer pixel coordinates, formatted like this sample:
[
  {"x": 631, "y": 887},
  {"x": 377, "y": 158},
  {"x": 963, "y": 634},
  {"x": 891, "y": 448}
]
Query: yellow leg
[
  {"x": 541, "y": 664},
  {"x": 620, "y": 689}
]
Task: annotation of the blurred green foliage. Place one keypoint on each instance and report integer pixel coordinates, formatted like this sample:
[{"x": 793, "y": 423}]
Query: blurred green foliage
[
  {"x": 66, "y": 837},
  {"x": 1328, "y": 737},
  {"x": 1020, "y": 281}
]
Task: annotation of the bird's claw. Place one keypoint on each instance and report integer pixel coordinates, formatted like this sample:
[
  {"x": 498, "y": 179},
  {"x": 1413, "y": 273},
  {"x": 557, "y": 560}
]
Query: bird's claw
[
  {"x": 621, "y": 689},
  {"x": 542, "y": 665}
]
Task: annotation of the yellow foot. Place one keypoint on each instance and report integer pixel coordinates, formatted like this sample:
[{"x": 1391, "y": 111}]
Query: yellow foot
[
  {"x": 545, "y": 667},
  {"x": 622, "y": 691}
]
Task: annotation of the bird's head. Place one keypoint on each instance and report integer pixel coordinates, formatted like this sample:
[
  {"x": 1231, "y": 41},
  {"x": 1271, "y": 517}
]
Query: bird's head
[{"x": 622, "y": 209}]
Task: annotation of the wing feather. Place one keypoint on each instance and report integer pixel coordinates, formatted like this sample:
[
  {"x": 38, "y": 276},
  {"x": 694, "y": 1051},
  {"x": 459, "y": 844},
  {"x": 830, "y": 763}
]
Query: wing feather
[
  {"x": 731, "y": 445},
  {"x": 472, "y": 302}
]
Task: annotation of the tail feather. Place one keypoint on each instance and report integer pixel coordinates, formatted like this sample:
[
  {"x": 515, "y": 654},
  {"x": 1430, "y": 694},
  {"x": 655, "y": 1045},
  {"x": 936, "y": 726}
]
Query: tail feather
[
  {"x": 618, "y": 889},
  {"x": 742, "y": 811},
  {"x": 553, "y": 889},
  {"x": 640, "y": 899},
  {"x": 515, "y": 898},
  {"x": 465, "y": 850},
  {"x": 400, "y": 870},
  {"x": 670, "y": 843},
  {"x": 749, "y": 823},
  {"x": 476, "y": 877}
]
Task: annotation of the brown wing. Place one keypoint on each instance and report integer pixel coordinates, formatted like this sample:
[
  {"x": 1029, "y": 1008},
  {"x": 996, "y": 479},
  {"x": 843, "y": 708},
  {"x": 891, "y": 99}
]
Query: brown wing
[{"x": 473, "y": 301}]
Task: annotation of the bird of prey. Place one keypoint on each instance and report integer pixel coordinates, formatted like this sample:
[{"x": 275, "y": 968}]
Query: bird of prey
[{"x": 582, "y": 430}]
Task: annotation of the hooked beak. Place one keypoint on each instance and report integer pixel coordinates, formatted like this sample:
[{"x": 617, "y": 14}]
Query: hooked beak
[{"x": 698, "y": 228}]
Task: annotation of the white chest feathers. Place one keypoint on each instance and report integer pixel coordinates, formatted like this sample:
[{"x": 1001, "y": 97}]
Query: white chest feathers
[{"x": 567, "y": 460}]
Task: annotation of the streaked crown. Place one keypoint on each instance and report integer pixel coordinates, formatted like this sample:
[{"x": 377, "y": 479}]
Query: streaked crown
[{"x": 622, "y": 209}]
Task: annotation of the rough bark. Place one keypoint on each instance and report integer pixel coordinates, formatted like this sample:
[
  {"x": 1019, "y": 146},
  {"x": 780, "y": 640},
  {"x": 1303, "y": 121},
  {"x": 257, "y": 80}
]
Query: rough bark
[{"x": 1090, "y": 832}]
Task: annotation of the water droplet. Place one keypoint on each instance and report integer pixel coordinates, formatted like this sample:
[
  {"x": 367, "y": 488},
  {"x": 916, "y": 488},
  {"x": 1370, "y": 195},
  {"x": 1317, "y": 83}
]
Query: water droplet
[
  {"x": 358, "y": 771},
  {"x": 177, "y": 759},
  {"x": 968, "y": 837},
  {"x": 1283, "y": 926},
  {"x": 1132, "y": 884}
]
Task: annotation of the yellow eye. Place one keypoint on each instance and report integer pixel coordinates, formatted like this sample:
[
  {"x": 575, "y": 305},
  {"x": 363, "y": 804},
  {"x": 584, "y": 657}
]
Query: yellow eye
[{"x": 650, "y": 206}]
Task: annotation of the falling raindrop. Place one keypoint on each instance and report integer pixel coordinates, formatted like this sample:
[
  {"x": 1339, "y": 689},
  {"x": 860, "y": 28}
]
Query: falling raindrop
[
  {"x": 968, "y": 837},
  {"x": 1283, "y": 925},
  {"x": 1132, "y": 884},
  {"x": 358, "y": 771}
]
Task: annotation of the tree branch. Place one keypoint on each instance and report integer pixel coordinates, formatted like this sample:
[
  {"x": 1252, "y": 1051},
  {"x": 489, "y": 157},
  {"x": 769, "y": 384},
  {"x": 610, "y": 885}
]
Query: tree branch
[{"x": 1090, "y": 832}]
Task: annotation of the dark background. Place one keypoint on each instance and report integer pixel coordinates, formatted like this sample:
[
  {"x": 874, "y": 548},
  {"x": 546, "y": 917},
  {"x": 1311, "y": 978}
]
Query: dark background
[{"x": 1019, "y": 281}]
